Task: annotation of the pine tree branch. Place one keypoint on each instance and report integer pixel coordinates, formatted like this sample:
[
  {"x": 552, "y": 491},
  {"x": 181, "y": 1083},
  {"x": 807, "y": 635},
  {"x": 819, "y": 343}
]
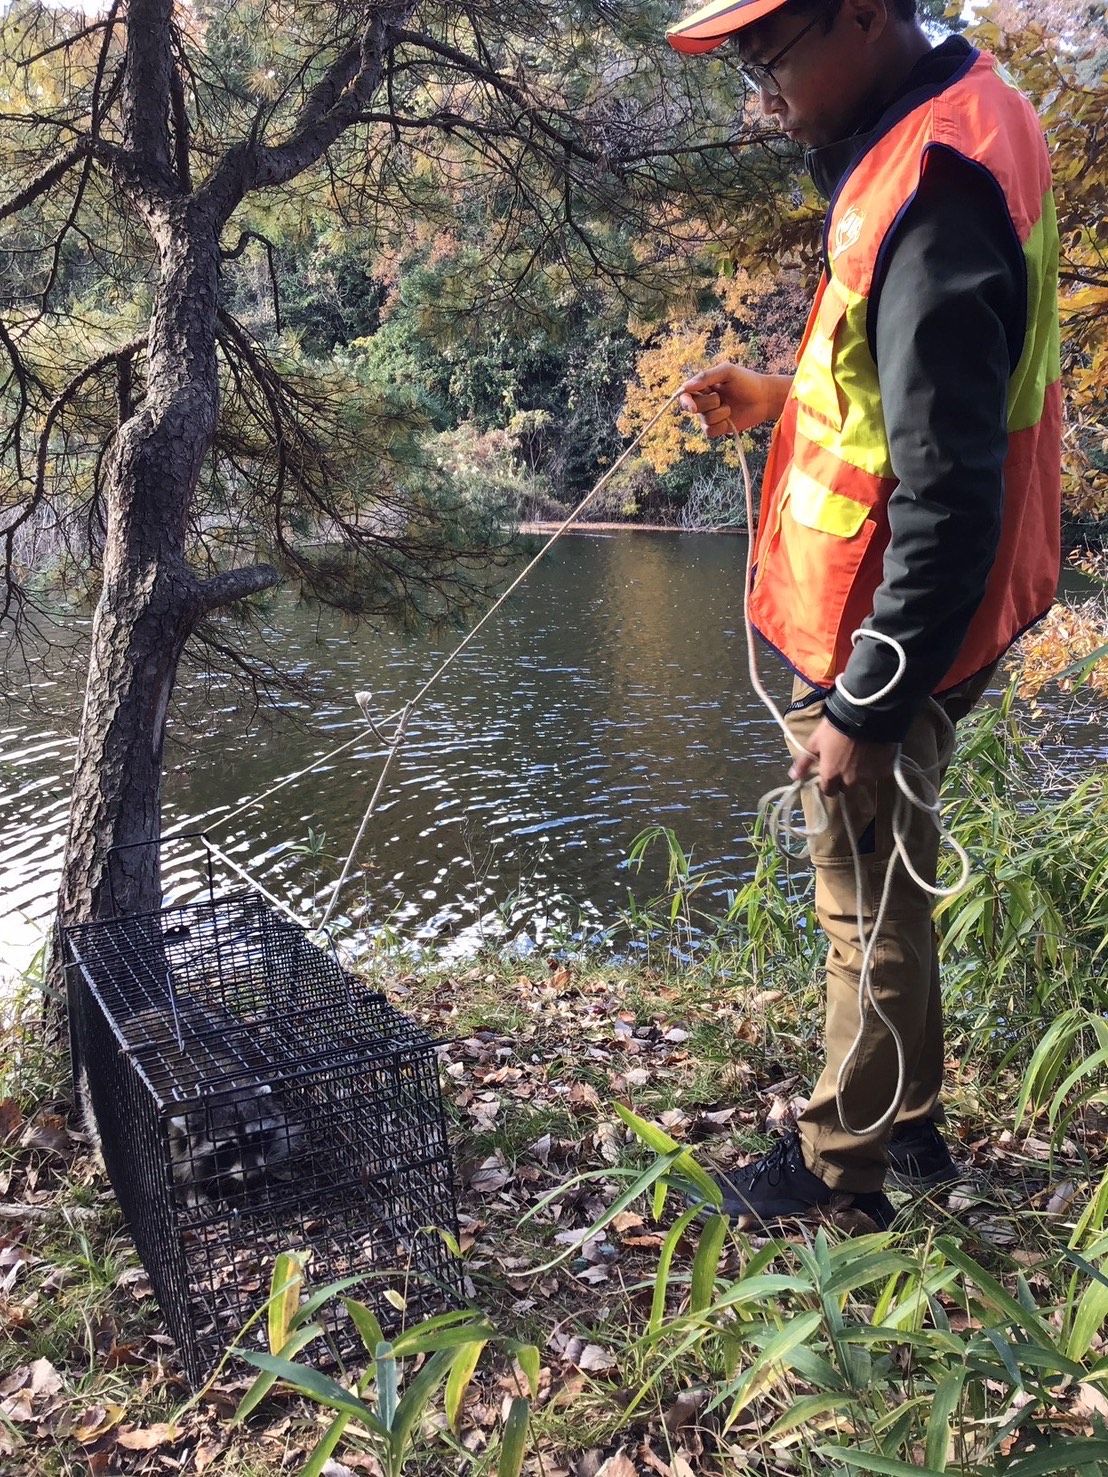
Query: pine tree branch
[{"x": 236, "y": 584}]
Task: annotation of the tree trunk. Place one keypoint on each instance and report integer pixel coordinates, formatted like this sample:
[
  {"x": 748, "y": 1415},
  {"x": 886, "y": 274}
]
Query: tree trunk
[{"x": 150, "y": 600}]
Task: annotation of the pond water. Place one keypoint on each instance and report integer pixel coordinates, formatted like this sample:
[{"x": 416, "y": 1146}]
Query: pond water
[{"x": 610, "y": 693}]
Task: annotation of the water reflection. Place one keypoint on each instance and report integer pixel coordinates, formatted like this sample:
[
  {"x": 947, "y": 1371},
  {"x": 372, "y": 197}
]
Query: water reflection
[{"x": 609, "y": 693}]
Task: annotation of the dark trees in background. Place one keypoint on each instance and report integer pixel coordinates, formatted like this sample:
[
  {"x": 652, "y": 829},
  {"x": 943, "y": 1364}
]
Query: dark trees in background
[{"x": 151, "y": 435}]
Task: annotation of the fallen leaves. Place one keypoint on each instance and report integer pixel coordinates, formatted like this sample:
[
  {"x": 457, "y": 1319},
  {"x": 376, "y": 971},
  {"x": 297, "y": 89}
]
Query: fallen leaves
[
  {"x": 11, "y": 1119},
  {"x": 588, "y": 1357},
  {"x": 619, "y": 1465},
  {"x": 534, "y": 1119},
  {"x": 96, "y": 1422},
  {"x": 147, "y": 1438},
  {"x": 490, "y": 1176}
]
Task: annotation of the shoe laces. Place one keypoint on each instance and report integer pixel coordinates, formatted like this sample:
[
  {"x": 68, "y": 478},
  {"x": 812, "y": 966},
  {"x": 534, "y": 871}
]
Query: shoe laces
[{"x": 775, "y": 1164}]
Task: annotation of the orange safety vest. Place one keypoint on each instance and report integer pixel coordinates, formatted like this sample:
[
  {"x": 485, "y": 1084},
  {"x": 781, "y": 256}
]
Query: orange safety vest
[{"x": 824, "y": 523}]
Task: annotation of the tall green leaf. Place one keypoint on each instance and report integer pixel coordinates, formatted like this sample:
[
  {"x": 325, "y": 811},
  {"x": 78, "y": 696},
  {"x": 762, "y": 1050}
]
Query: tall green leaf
[
  {"x": 665, "y": 1261},
  {"x": 318, "y": 1387},
  {"x": 684, "y": 1164},
  {"x": 706, "y": 1262},
  {"x": 513, "y": 1439},
  {"x": 944, "y": 1402},
  {"x": 365, "y": 1320},
  {"x": 325, "y": 1447},
  {"x": 457, "y": 1382},
  {"x": 266, "y": 1380},
  {"x": 414, "y": 1402},
  {"x": 284, "y": 1297}
]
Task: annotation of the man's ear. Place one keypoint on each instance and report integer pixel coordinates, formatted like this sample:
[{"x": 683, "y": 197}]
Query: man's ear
[{"x": 868, "y": 16}]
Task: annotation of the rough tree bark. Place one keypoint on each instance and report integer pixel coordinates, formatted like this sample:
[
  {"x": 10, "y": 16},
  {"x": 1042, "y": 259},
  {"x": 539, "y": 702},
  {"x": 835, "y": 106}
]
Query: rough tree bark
[{"x": 150, "y": 601}]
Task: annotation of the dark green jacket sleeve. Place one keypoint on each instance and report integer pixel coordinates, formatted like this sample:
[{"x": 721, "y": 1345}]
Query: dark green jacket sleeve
[{"x": 946, "y": 329}]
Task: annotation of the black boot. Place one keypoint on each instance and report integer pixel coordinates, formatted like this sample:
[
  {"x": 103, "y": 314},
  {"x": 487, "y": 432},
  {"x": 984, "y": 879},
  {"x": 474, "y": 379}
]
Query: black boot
[
  {"x": 779, "y": 1186},
  {"x": 919, "y": 1158}
]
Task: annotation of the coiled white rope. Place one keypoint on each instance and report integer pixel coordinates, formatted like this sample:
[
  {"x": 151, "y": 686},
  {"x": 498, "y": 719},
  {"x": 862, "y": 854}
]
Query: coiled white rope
[{"x": 779, "y": 806}]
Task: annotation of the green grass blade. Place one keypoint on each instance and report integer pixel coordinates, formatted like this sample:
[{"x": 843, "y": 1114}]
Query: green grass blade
[
  {"x": 265, "y": 1381},
  {"x": 763, "y": 1371},
  {"x": 807, "y": 1408},
  {"x": 866, "y": 1268},
  {"x": 706, "y": 1262},
  {"x": 320, "y": 1456},
  {"x": 1007, "y": 1355},
  {"x": 387, "y": 1377},
  {"x": 683, "y": 1163},
  {"x": 531, "y": 1363},
  {"x": 416, "y": 1341},
  {"x": 1060, "y": 1456},
  {"x": 992, "y": 1291},
  {"x": 365, "y": 1320},
  {"x": 1091, "y": 1313},
  {"x": 652, "y": 1173},
  {"x": 513, "y": 1440},
  {"x": 457, "y": 1382},
  {"x": 665, "y": 1261},
  {"x": 944, "y": 1403},
  {"x": 318, "y": 1387},
  {"x": 415, "y": 1401},
  {"x": 312, "y": 1304},
  {"x": 409, "y": 1342},
  {"x": 885, "y": 1466}
]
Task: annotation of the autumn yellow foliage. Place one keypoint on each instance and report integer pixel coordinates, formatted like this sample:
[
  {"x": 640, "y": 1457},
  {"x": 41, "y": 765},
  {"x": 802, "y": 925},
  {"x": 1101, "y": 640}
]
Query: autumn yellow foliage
[
  {"x": 1063, "y": 639},
  {"x": 684, "y": 349}
]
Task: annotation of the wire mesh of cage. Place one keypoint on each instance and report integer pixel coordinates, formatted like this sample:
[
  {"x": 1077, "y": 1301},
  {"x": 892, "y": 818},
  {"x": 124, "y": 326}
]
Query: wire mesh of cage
[{"x": 251, "y": 1097}]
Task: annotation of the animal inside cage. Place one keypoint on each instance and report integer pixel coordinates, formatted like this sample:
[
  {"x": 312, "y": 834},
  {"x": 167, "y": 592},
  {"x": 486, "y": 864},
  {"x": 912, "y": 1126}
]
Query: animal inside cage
[{"x": 251, "y": 1097}]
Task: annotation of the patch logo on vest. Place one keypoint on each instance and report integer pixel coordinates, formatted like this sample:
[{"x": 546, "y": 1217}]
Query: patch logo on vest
[{"x": 847, "y": 230}]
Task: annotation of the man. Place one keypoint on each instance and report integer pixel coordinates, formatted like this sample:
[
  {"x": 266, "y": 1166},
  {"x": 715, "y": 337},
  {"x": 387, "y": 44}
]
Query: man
[{"x": 909, "y": 527}]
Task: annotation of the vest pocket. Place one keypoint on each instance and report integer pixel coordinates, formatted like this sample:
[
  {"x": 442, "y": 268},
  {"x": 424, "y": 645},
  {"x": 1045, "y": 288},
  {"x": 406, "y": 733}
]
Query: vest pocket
[
  {"x": 818, "y": 507},
  {"x": 811, "y": 573}
]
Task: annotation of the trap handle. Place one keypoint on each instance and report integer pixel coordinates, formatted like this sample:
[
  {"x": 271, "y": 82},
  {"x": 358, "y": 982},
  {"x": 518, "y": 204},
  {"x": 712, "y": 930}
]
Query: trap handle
[{"x": 159, "y": 843}]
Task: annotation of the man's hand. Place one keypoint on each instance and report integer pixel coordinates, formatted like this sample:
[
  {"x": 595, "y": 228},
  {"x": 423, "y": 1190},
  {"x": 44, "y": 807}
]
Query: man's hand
[
  {"x": 729, "y": 398},
  {"x": 840, "y": 761}
]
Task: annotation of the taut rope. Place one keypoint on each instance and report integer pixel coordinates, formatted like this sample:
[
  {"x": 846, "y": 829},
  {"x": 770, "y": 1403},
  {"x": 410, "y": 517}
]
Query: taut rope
[{"x": 779, "y": 804}]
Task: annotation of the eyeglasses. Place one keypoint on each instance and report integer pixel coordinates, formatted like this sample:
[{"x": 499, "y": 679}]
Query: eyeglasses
[{"x": 760, "y": 74}]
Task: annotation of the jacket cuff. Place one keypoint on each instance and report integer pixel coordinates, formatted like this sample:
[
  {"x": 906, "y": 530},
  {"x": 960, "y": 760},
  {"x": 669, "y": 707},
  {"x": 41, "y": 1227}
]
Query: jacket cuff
[{"x": 885, "y": 725}]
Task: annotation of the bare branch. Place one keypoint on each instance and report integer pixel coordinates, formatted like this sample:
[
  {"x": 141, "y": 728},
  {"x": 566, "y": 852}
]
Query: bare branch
[
  {"x": 245, "y": 237},
  {"x": 567, "y": 140},
  {"x": 45, "y": 181},
  {"x": 236, "y": 584},
  {"x": 332, "y": 106},
  {"x": 38, "y": 493},
  {"x": 66, "y": 42}
]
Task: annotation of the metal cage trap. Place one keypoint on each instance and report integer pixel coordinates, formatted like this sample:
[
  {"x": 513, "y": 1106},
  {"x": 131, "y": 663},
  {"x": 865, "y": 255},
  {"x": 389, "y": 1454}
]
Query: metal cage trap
[{"x": 250, "y": 1097}]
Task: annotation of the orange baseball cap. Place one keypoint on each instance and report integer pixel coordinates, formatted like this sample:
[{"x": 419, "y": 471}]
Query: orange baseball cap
[{"x": 712, "y": 24}]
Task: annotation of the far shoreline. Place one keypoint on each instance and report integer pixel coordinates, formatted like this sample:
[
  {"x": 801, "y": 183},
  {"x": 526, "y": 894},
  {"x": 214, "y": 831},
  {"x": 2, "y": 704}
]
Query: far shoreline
[{"x": 547, "y": 527}]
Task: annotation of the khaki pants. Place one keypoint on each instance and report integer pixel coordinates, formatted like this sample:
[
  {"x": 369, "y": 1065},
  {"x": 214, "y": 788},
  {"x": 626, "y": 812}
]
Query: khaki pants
[{"x": 905, "y": 971}]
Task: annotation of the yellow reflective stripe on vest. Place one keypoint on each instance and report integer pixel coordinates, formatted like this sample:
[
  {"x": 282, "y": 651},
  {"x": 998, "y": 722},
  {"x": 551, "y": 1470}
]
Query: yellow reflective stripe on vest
[
  {"x": 837, "y": 379},
  {"x": 818, "y": 507},
  {"x": 1039, "y": 363}
]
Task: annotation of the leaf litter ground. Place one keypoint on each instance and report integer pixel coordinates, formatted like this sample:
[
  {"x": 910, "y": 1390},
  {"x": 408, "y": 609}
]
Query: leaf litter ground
[{"x": 532, "y": 1065}]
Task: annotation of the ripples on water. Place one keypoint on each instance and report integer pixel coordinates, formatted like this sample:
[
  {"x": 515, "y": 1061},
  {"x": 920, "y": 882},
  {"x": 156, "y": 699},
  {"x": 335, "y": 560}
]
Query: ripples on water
[{"x": 609, "y": 693}]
